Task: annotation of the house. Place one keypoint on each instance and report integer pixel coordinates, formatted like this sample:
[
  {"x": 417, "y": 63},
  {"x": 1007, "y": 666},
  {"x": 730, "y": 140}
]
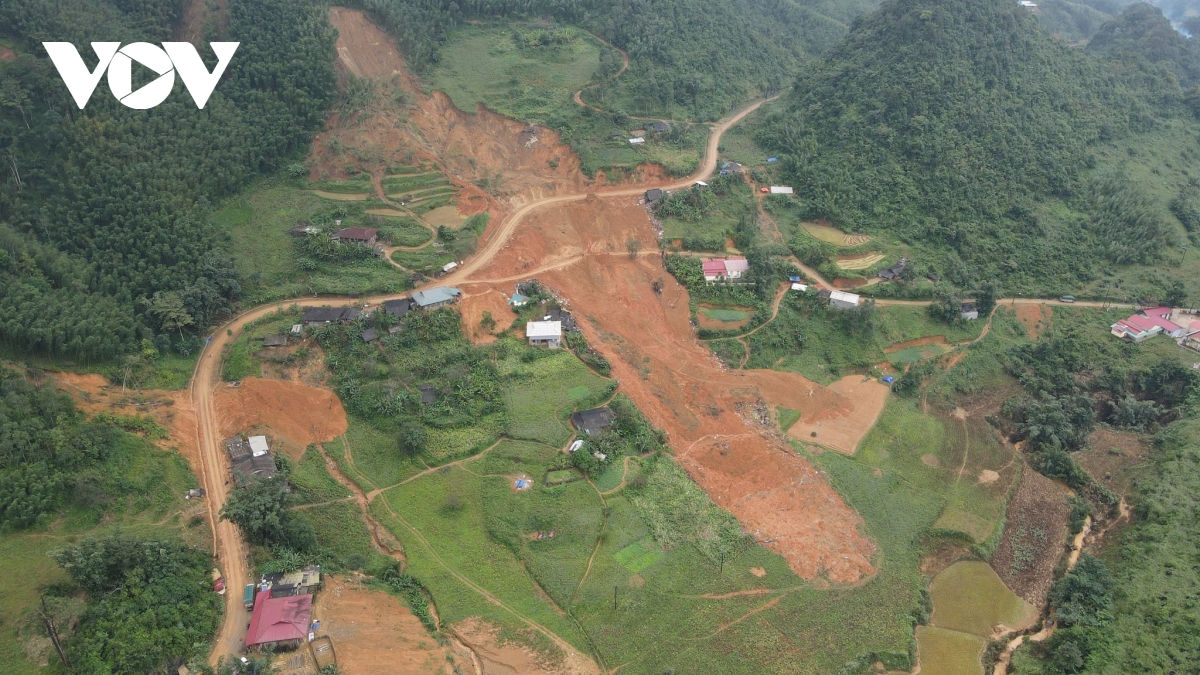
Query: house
[
  {"x": 300, "y": 582},
  {"x": 716, "y": 269},
  {"x": 1146, "y": 324},
  {"x": 249, "y": 460},
  {"x": 894, "y": 271},
  {"x": 370, "y": 335},
  {"x": 637, "y": 141},
  {"x": 428, "y": 393},
  {"x": 436, "y": 297},
  {"x": 593, "y": 421},
  {"x": 969, "y": 311},
  {"x": 842, "y": 300},
  {"x": 323, "y": 316},
  {"x": 781, "y": 190},
  {"x": 934, "y": 277},
  {"x": 397, "y": 308},
  {"x": 544, "y": 333},
  {"x": 653, "y": 195},
  {"x": 799, "y": 287},
  {"x": 357, "y": 235},
  {"x": 657, "y": 127},
  {"x": 279, "y": 621},
  {"x": 274, "y": 340}
]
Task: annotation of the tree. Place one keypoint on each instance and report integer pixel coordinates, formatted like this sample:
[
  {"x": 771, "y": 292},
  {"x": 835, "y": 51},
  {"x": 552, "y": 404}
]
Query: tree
[
  {"x": 411, "y": 438},
  {"x": 1083, "y": 596},
  {"x": 985, "y": 297},
  {"x": 488, "y": 322},
  {"x": 633, "y": 246},
  {"x": 947, "y": 308},
  {"x": 1067, "y": 657},
  {"x": 169, "y": 309},
  {"x": 1133, "y": 414}
]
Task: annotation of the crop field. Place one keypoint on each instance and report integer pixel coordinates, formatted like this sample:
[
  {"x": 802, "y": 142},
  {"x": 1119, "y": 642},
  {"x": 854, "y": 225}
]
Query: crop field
[
  {"x": 829, "y": 234},
  {"x": 398, "y": 229},
  {"x": 377, "y": 458},
  {"x": 258, "y": 224},
  {"x": 968, "y": 597},
  {"x": 445, "y": 216},
  {"x": 861, "y": 262},
  {"x": 537, "y": 406},
  {"x": 712, "y": 228},
  {"x": 949, "y": 652}
]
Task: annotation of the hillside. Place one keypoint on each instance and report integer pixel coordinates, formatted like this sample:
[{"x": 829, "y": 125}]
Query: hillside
[
  {"x": 1141, "y": 31},
  {"x": 103, "y": 211},
  {"x": 952, "y": 125}
]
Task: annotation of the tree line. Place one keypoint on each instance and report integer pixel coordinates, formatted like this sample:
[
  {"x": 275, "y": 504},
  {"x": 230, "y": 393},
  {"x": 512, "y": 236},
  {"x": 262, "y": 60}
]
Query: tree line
[{"x": 110, "y": 204}]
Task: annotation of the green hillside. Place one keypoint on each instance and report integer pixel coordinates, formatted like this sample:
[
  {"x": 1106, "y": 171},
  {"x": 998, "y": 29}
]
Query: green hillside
[{"x": 968, "y": 132}]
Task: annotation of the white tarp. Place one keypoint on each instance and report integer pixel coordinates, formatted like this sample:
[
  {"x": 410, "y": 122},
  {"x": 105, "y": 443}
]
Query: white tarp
[{"x": 258, "y": 446}]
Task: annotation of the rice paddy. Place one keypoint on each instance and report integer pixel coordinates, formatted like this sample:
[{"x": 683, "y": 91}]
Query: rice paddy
[{"x": 833, "y": 235}]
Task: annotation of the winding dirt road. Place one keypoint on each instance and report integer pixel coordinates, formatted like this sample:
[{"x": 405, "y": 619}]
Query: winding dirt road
[{"x": 228, "y": 546}]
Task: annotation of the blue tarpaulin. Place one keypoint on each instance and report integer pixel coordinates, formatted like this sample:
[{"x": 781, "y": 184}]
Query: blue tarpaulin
[
  {"x": 887, "y": 379},
  {"x": 772, "y": 159}
]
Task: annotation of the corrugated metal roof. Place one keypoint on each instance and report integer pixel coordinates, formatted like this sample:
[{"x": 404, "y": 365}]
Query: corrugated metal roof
[{"x": 543, "y": 329}]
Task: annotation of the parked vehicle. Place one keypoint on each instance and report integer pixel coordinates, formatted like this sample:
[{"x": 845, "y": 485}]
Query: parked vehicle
[
  {"x": 1067, "y": 298},
  {"x": 248, "y": 596},
  {"x": 218, "y": 582}
]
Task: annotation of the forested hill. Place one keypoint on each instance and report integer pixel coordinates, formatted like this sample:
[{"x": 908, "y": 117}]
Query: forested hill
[
  {"x": 103, "y": 237},
  {"x": 1141, "y": 31},
  {"x": 949, "y": 123},
  {"x": 698, "y": 56}
]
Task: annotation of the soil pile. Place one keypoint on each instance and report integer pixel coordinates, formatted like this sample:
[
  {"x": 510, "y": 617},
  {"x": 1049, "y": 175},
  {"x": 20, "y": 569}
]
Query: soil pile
[{"x": 293, "y": 410}]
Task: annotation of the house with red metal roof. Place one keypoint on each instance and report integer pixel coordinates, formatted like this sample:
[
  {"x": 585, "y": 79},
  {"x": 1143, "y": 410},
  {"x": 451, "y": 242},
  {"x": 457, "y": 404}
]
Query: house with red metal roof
[
  {"x": 279, "y": 620},
  {"x": 1146, "y": 324},
  {"x": 717, "y": 269},
  {"x": 358, "y": 235}
]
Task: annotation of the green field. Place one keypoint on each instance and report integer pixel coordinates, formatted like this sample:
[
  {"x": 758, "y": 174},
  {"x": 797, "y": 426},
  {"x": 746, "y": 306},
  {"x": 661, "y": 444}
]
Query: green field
[
  {"x": 312, "y": 481},
  {"x": 708, "y": 233},
  {"x": 256, "y": 228},
  {"x": 949, "y": 652},
  {"x": 541, "y": 394},
  {"x": 720, "y": 314}
]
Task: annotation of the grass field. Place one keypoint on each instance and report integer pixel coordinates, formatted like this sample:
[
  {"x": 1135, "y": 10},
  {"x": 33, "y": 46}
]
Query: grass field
[
  {"x": 377, "y": 458},
  {"x": 312, "y": 482},
  {"x": 722, "y": 314},
  {"x": 541, "y": 395},
  {"x": 257, "y": 226}
]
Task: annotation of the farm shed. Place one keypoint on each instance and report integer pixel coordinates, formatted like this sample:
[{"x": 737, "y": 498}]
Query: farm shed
[
  {"x": 357, "y": 235},
  {"x": 436, "y": 297},
  {"x": 653, "y": 195},
  {"x": 593, "y": 421},
  {"x": 370, "y": 335},
  {"x": 843, "y": 300},
  {"x": 781, "y": 190},
  {"x": 657, "y": 127},
  {"x": 397, "y": 308}
]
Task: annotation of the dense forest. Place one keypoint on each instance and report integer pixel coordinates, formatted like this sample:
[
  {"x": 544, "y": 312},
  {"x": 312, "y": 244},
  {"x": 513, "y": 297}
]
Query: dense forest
[
  {"x": 103, "y": 236},
  {"x": 703, "y": 57},
  {"x": 951, "y": 124}
]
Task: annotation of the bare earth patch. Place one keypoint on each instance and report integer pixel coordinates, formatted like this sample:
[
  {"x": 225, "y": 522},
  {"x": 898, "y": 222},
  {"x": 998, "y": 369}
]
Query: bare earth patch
[
  {"x": 374, "y": 632},
  {"x": 472, "y": 308},
  {"x": 496, "y": 658},
  {"x": 1035, "y": 318},
  {"x": 292, "y": 411},
  {"x": 843, "y": 428}
]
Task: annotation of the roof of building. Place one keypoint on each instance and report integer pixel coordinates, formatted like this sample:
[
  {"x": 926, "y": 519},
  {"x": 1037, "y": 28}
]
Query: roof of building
[
  {"x": 842, "y": 296},
  {"x": 591, "y": 421},
  {"x": 428, "y": 393},
  {"x": 653, "y": 194},
  {"x": 435, "y": 296},
  {"x": 736, "y": 264},
  {"x": 370, "y": 335},
  {"x": 543, "y": 330},
  {"x": 637, "y": 141},
  {"x": 799, "y": 287},
  {"x": 258, "y": 446},
  {"x": 279, "y": 619},
  {"x": 322, "y": 314},
  {"x": 517, "y": 300},
  {"x": 1138, "y": 324},
  {"x": 397, "y": 307},
  {"x": 713, "y": 267},
  {"x": 781, "y": 190},
  {"x": 253, "y": 467},
  {"x": 237, "y": 447},
  {"x": 824, "y": 293},
  {"x": 658, "y": 126},
  {"x": 274, "y": 340},
  {"x": 969, "y": 307},
  {"x": 357, "y": 233},
  {"x": 1161, "y": 312}
]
